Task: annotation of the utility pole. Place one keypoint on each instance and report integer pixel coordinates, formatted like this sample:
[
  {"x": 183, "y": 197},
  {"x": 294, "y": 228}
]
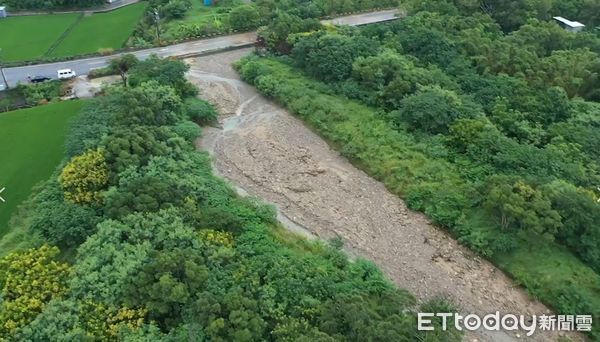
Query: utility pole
[{"x": 157, "y": 24}]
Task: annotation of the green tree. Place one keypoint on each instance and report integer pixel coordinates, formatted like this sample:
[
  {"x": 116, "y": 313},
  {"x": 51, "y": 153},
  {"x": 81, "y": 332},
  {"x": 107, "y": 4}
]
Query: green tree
[
  {"x": 175, "y": 9},
  {"x": 276, "y": 33},
  {"x": 60, "y": 222},
  {"x": 148, "y": 104},
  {"x": 329, "y": 57},
  {"x": 84, "y": 178},
  {"x": 200, "y": 111},
  {"x": 520, "y": 206},
  {"x": 166, "y": 72},
  {"x": 125, "y": 147},
  {"x": 244, "y": 18},
  {"x": 68, "y": 319},
  {"x": 576, "y": 71},
  {"x": 119, "y": 250},
  {"x": 122, "y": 64},
  {"x": 580, "y": 229},
  {"x": 167, "y": 283},
  {"x": 29, "y": 280},
  {"x": 432, "y": 109}
]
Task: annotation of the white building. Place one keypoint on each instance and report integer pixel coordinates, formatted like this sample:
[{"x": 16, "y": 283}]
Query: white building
[
  {"x": 3, "y": 12},
  {"x": 572, "y": 26}
]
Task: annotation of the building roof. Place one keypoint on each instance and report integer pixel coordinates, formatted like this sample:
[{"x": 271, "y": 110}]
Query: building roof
[
  {"x": 2, "y": 8},
  {"x": 569, "y": 22}
]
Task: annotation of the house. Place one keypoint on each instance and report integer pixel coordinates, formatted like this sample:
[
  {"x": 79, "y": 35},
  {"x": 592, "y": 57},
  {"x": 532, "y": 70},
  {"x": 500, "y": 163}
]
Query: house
[
  {"x": 3, "y": 13},
  {"x": 571, "y": 26}
]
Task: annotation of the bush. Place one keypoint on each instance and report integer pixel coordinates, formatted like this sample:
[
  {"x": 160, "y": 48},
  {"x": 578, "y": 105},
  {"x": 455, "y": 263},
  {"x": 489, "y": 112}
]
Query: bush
[
  {"x": 175, "y": 9},
  {"x": 431, "y": 109},
  {"x": 200, "y": 111},
  {"x": 37, "y": 93},
  {"x": 188, "y": 130},
  {"x": 244, "y": 18},
  {"x": 106, "y": 51}
]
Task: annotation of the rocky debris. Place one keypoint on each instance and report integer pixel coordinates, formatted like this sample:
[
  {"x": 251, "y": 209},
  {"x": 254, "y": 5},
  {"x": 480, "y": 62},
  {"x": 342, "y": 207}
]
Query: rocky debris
[{"x": 270, "y": 154}]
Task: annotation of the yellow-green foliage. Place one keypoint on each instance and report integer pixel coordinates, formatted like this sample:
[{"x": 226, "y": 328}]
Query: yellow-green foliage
[
  {"x": 216, "y": 237},
  {"x": 29, "y": 280},
  {"x": 104, "y": 322},
  {"x": 84, "y": 177}
]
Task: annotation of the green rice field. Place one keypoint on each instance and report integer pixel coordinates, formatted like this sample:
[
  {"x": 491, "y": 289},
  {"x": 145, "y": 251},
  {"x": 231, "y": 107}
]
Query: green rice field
[
  {"x": 25, "y": 38},
  {"x": 60, "y": 35},
  {"x": 101, "y": 31},
  {"x": 31, "y": 146}
]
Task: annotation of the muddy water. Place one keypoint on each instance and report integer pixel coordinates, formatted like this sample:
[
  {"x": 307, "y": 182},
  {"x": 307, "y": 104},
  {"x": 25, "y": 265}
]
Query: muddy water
[{"x": 266, "y": 152}]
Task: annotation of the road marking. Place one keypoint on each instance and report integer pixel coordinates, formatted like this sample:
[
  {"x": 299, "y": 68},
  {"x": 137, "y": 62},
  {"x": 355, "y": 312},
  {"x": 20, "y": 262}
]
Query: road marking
[{"x": 2, "y": 199}]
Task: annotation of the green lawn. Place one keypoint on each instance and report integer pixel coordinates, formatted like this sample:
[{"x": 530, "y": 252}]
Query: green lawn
[
  {"x": 31, "y": 146},
  {"x": 102, "y": 30},
  {"x": 26, "y": 38}
]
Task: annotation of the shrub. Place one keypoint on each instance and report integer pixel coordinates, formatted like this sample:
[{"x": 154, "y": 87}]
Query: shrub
[
  {"x": 200, "y": 111},
  {"x": 175, "y": 9},
  {"x": 188, "y": 130},
  {"x": 243, "y": 18}
]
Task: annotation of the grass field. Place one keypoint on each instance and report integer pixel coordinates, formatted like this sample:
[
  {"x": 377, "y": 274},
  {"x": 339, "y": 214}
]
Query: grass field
[
  {"x": 31, "y": 146},
  {"x": 31, "y": 37},
  {"x": 102, "y": 30},
  {"x": 25, "y": 38}
]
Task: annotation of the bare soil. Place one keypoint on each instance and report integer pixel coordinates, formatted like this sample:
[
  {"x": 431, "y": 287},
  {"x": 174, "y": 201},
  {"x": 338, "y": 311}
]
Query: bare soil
[
  {"x": 83, "y": 87},
  {"x": 264, "y": 150}
]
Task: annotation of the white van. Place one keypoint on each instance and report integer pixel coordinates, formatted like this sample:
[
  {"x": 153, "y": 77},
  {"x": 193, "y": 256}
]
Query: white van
[{"x": 65, "y": 74}]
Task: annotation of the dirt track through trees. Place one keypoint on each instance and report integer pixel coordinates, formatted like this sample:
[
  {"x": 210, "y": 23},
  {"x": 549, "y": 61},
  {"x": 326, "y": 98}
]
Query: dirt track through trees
[{"x": 270, "y": 154}]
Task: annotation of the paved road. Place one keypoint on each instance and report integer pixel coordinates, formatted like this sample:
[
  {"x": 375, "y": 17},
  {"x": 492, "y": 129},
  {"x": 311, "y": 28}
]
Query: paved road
[
  {"x": 363, "y": 18},
  {"x": 197, "y": 47}
]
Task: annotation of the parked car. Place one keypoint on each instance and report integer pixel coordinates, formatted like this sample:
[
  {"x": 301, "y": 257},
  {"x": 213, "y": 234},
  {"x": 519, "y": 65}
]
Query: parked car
[
  {"x": 39, "y": 79},
  {"x": 65, "y": 74}
]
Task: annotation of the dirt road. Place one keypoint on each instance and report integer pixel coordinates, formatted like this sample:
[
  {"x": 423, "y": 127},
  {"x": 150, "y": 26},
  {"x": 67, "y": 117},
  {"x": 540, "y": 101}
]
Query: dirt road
[{"x": 270, "y": 154}]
